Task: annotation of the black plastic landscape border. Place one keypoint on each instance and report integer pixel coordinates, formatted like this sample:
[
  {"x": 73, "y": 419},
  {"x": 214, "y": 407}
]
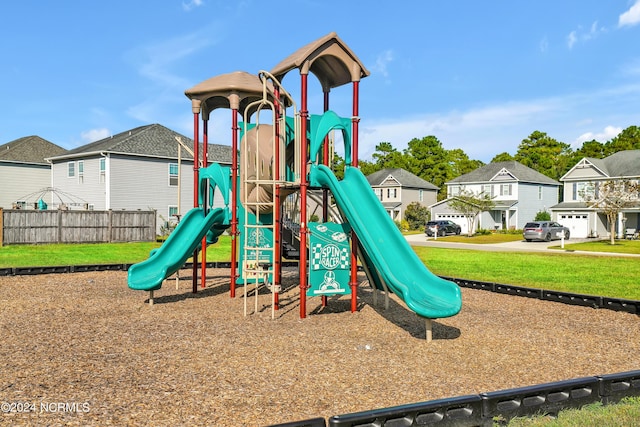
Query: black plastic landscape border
[
  {"x": 485, "y": 409},
  {"x": 616, "y": 304}
]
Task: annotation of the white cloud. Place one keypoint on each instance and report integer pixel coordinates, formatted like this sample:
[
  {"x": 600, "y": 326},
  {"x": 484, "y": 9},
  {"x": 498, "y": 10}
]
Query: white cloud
[
  {"x": 158, "y": 64},
  {"x": 571, "y": 39},
  {"x": 544, "y": 45},
  {"x": 583, "y": 36},
  {"x": 488, "y": 130},
  {"x": 192, "y": 4},
  {"x": 608, "y": 133},
  {"x": 630, "y": 17},
  {"x": 155, "y": 61},
  {"x": 382, "y": 61},
  {"x": 94, "y": 135},
  {"x": 632, "y": 68},
  {"x": 493, "y": 128}
]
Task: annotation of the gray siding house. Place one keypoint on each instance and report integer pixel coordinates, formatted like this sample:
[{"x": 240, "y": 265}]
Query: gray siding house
[
  {"x": 518, "y": 192},
  {"x": 145, "y": 168},
  {"x": 583, "y": 179},
  {"x": 25, "y": 175},
  {"x": 397, "y": 188}
]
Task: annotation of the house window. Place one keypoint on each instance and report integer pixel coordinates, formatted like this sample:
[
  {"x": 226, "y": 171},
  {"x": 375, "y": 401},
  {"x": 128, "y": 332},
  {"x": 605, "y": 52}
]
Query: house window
[
  {"x": 81, "y": 171},
  {"x": 421, "y": 195},
  {"x": 91, "y": 206},
  {"x": 454, "y": 190},
  {"x": 505, "y": 189},
  {"x": 173, "y": 174},
  {"x": 173, "y": 211},
  {"x": 103, "y": 169},
  {"x": 488, "y": 190},
  {"x": 392, "y": 193},
  {"x": 539, "y": 192},
  {"x": 379, "y": 193},
  {"x": 583, "y": 190},
  {"x": 71, "y": 170}
]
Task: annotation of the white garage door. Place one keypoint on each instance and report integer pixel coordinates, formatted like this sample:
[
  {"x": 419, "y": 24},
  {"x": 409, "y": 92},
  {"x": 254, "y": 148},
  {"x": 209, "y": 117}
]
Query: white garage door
[
  {"x": 577, "y": 223},
  {"x": 459, "y": 219}
]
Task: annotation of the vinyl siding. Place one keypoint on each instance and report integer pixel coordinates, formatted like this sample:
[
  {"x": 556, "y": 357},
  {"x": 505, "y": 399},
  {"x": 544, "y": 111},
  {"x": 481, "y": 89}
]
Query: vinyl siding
[
  {"x": 87, "y": 189},
  {"x": 131, "y": 182},
  {"x": 143, "y": 183},
  {"x": 529, "y": 204},
  {"x": 20, "y": 180}
]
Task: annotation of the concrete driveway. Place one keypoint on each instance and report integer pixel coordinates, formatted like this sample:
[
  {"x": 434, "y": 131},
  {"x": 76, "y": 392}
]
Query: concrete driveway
[{"x": 517, "y": 246}]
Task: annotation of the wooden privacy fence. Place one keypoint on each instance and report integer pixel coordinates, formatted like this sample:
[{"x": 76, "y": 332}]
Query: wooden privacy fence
[{"x": 74, "y": 226}]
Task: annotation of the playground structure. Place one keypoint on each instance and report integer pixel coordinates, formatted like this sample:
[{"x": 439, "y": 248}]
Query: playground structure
[{"x": 284, "y": 152}]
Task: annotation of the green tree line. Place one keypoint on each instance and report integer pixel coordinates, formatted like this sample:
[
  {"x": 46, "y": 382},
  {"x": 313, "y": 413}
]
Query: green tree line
[{"x": 428, "y": 159}]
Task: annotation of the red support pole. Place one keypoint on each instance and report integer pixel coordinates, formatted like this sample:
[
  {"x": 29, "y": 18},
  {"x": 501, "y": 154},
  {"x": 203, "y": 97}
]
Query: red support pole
[
  {"x": 303, "y": 198},
  {"x": 205, "y": 202},
  {"x": 277, "y": 230},
  {"x": 354, "y": 159},
  {"x": 196, "y": 161},
  {"x": 234, "y": 202},
  {"x": 325, "y": 192}
]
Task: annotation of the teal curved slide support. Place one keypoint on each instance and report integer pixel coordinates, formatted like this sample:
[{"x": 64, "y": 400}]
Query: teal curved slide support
[
  {"x": 220, "y": 177},
  {"x": 322, "y": 125},
  {"x": 386, "y": 249},
  {"x": 149, "y": 274}
]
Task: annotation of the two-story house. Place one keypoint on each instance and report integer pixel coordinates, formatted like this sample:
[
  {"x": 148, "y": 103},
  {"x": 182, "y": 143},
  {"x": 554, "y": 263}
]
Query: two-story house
[
  {"x": 583, "y": 180},
  {"x": 24, "y": 173},
  {"x": 517, "y": 191},
  {"x": 145, "y": 168},
  {"x": 397, "y": 188}
]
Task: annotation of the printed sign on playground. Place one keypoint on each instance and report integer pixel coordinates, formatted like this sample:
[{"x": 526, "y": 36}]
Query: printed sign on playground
[
  {"x": 329, "y": 260},
  {"x": 258, "y": 252}
]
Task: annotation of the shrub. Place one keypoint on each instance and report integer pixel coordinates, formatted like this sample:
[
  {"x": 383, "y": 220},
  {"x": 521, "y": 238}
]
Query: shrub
[
  {"x": 402, "y": 225},
  {"x": 416, "y": 216},
  {"x": 543, "y": 216},
  {"x": 483, "y": 232}
]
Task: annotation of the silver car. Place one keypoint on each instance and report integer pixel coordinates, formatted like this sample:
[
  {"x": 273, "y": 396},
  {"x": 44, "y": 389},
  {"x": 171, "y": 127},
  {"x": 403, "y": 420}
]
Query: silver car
[{"x": 544, "y": 230}]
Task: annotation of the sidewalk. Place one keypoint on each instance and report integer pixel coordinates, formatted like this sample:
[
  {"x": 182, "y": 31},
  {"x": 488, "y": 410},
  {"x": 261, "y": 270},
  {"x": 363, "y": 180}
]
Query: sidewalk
[{"x": 515, "y": 246}]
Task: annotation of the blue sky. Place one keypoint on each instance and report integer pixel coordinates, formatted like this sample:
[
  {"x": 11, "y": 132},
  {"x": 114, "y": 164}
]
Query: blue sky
[{"x": 479, "y": 75}]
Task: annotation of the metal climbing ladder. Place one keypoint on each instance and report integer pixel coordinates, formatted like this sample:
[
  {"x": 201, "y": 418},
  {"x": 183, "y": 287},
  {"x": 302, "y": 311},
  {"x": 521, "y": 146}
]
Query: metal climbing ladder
[{"x": 259, "y": 189}]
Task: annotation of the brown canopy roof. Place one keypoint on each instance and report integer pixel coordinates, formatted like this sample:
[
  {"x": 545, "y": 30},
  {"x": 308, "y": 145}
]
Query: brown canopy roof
[
  {"x": 232, "y": 90},
  {"x": 328, "y": 58}
]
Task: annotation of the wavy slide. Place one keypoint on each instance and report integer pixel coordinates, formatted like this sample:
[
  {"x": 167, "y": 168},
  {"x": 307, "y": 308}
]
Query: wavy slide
[
  {"x": 149, "y": 274},
  {"x": 386, "y": 249}
]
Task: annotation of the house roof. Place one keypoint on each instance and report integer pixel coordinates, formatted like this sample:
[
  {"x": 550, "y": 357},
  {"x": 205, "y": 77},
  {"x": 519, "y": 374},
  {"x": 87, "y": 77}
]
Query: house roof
[
  {"x": 621, "y": 164},
  {"x": 517, "y": 170},
  {"x": 404, "y": 177},
  {"x": 570, "y": 205},
  {"x": 29, "y": 149},
  {"x": 151, "y": 140}
]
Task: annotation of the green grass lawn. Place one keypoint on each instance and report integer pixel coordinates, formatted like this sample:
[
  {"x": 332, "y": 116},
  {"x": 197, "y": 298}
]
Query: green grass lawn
[
  {"x": 99, "y": 253},
  {"x": 624, "y": 413},
  {"x": 485, "y": 238},
  {"x": 621, "y": 247},
  {"x": 561, "y": 271}
]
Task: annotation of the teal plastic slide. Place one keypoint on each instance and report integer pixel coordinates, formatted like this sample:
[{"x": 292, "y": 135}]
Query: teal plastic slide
[
  {"x": 149, "y": 274},
  {"x": 386, "y": 249}
]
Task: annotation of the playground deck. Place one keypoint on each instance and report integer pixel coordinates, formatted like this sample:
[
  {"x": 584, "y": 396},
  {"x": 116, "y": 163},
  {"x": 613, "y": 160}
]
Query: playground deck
[{"x": 196, "y": 360}]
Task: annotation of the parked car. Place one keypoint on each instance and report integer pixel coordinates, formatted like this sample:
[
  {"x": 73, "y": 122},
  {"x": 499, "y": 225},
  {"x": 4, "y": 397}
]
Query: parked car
[
  {"x": 544, "y": 230},
  {"x": 442, "y": 227}
]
